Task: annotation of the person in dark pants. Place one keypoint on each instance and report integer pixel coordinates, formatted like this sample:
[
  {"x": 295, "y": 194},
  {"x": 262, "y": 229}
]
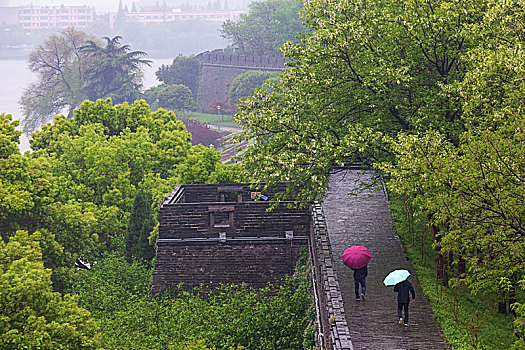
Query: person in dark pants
[
  {"x": 403, "y": 299},
  {"x": 360, "y": 279}
]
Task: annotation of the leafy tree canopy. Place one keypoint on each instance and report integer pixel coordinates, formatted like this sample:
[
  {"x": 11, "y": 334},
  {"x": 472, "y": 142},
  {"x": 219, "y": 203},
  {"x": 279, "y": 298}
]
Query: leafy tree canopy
[
  {"x": 32, "y": 315},
  {"x": 183, "y": 70},
  {"x": 72, "y": 67},
  {"x": 266, "y": 26},
  {"x": 245, "y": 84},
  {"x": 176, "y": 97},
  {"x": 81, "y": 180},
  {"x": 366, "y": 69},
  {"x": 474, "y": 189},
  {"x": 61, "y": 69}
]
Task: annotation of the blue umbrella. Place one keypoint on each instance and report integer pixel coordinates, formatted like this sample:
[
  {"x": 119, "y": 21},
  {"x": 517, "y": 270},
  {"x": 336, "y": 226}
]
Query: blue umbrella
[{"x": 395, "y": 277}]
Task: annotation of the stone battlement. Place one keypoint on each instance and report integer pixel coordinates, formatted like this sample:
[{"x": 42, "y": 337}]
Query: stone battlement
[
  {"x": 212, "y": 234},
  {"x": 219, "y": 58}
]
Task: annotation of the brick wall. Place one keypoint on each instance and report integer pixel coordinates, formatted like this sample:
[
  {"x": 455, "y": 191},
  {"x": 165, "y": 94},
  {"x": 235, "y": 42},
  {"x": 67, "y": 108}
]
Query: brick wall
[
  {"x": 203, "y": 193},
  {"x": 210, "y": 241},
  {"x": 211, "y": 262},
  {"x": 219, "y": 70},
  {"x": 247, "y": 220},
  {"x": 219, "y": 58}
]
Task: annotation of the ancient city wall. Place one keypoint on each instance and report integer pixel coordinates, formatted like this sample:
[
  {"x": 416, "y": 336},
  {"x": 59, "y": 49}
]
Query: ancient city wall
[
  {"x": 226, "y": 236},
  {"x": 219, "y": 70}
]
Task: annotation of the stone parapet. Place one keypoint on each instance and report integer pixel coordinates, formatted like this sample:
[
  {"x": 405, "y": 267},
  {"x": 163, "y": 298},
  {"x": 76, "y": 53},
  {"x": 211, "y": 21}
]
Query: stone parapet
[
  {"x": 212, "y": 234},
  {"x": 333, "y": 332}
]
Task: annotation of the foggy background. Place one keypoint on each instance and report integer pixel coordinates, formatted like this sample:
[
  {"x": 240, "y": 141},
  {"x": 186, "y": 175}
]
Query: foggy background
[{"x": 102, "y": 6}]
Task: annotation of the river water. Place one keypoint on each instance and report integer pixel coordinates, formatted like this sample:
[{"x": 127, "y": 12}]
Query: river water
[{"x": 15, "y": 77}]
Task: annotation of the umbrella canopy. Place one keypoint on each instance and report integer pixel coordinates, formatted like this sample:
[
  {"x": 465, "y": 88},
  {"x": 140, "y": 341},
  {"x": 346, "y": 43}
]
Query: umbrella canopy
[
  {"x": 395, "y": 277},
  {"x": 356, "y": 257}
]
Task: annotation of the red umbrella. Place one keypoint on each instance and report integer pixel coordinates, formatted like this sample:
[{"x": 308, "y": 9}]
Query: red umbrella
[{"x": 356, "y": 257}]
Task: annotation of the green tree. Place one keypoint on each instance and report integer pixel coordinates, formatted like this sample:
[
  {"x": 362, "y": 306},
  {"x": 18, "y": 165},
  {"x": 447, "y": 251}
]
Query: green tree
[
  {"x": 176, "y": 97},
  {"x": 199, "y": 165},
  {"x": 366, "y": 70},
  {"x": 150, "y": 95},
  {"x": 94, "y": 164},
  {"x": 16, "y": 188},
  {"x": 141, "y": 224},
  {"x": 183, "y": 70},
  {"x": 245, "y": 84},
  {"x": 61, "y": 78},
  {"x": 475, "y": 194},
  {"x": 266, "y": 26},
  {"x": 32, "y": 315},
  {"x": 117, "y": 73}
]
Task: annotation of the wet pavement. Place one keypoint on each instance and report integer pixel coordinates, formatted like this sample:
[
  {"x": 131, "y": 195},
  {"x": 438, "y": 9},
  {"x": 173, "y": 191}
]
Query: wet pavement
[{"x": 365, "y": 220}]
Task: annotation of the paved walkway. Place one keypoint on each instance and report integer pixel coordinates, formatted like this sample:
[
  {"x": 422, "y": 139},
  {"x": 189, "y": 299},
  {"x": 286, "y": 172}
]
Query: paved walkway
[{"x": 365, "y": 220}]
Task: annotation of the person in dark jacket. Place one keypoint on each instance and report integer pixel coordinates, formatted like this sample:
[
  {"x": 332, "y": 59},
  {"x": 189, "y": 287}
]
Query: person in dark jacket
[
  {"x": 360, "y": 279},
  {"x": 403, "y": 299}
]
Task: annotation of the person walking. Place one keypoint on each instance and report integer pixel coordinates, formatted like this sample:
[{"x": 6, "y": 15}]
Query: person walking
[
  {"x": 360, "y": 279},
  {"x": 403, "y": 299}
]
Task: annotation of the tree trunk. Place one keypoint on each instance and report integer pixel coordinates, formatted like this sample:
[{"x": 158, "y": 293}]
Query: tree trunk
[
  {"x": 462, "y": 268},
  {"x": 441, "y": 263}
]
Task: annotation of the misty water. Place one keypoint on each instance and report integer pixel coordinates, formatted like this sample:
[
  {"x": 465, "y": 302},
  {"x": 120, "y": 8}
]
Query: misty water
[{"x": 16, "y": 77}]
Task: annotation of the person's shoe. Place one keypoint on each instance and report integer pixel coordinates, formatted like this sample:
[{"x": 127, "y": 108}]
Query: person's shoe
[
  {"x": 400, "y": 321},
  {"x": 363, "y": 296},
  {"x": 357, "y": 299},
  {"x": 406, "y": 324}
]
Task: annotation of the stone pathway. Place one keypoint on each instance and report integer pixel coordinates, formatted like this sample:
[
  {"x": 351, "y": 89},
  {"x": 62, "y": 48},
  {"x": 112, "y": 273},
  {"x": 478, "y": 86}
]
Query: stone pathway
[{"x": 365, "y": 220}]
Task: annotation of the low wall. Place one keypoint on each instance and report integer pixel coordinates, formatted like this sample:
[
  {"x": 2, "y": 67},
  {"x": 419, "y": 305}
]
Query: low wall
[{"x": 333, "y": 330}]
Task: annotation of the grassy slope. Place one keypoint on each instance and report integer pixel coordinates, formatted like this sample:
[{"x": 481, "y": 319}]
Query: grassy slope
[
  {"x": 496, "y": 330},
  {"x": 226, "y": 120}
]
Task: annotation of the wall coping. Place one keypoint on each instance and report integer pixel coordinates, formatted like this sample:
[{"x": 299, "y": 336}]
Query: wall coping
[
  {"x": 327, "y": 288},
  {"x": 231, "y": 240}
]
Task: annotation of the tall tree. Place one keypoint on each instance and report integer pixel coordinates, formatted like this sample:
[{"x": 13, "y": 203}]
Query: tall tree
[
  {"x": 16, "y": 186},
  {"x": 183, "y": 70},
  {"x": 61, "y": 70},
  {"x": 141, "y": 223},
  {"x": 33, "y": 316},
  {"x": 266, "y": 26},
  {"x": 368, "y": 69},
  {"x": 475, "y": 190},
  {"x": 117, "y": 73}
]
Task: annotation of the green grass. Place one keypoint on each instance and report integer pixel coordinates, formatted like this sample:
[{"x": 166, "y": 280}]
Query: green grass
[
  {"x": 226, "y": 120},
  {"x": 495, "y": 330}
]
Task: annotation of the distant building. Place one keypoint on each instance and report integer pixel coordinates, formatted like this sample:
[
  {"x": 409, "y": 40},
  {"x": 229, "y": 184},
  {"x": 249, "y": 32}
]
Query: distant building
[
  {"x": 151, "y": 15},
  {"x": 45, "y": 17}
]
